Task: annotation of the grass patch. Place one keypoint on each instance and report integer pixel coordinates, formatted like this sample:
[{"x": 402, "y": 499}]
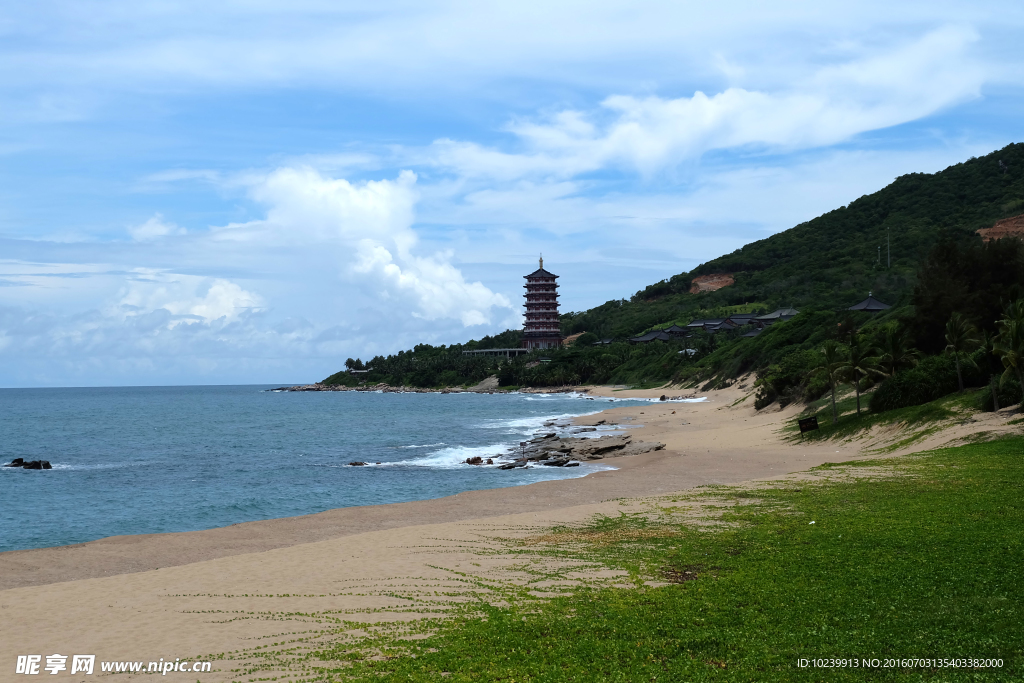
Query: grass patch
[
  {"x": 853, "y": 425},
  {"x": 925, "y": 564}
]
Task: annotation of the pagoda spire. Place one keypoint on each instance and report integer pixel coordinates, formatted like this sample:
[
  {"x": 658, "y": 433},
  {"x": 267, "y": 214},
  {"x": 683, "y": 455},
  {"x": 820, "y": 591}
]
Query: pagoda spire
[{"x": 542, "y": 261}]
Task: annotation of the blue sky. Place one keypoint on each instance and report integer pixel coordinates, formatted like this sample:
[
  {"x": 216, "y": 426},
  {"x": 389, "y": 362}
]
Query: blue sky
[{"x": 247, "y": 192}]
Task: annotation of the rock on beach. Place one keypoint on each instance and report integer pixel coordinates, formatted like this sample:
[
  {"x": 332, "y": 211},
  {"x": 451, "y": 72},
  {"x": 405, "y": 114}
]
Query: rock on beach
[{"x": 550, "y": 450}]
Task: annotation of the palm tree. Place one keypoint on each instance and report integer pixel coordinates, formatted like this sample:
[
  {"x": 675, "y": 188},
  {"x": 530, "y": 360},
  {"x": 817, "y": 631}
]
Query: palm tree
[
  {"x": 961, "y": 337},
  {"x": 896, "y": 351},
  {"x": 1009, "y": 343},
  {"x": 860, "y": 364},
  {"x": 832, "y": 362},
  {"x": 988, "y": 343}
]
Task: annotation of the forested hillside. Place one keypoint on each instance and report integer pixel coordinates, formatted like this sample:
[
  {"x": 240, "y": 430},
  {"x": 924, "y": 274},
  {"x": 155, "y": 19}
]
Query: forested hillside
[
  {"x": 939, "y": 266},
  {"x": 833, "y": 260}
]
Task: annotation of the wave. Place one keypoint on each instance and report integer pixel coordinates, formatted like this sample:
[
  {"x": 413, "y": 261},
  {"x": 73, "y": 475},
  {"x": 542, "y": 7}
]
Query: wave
[
  {"x": 452, "y": 457},
  {"x": 79, "y": 468},
  {"x": 608, "y": 399},
  {"x": 533, "y": 422},
  {"x": 425, "y": 445}
]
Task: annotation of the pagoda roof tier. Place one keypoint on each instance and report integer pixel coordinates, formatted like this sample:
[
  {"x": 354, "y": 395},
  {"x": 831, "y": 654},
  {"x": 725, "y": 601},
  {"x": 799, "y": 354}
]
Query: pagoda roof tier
[{"x": 540, "y": 272}]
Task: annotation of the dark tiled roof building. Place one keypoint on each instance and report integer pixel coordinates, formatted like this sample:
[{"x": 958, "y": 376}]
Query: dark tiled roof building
[
  {"x": 869, "y": 305},
  {"x": 780, "y": 315},
  {"x": 656, "y": 335}
]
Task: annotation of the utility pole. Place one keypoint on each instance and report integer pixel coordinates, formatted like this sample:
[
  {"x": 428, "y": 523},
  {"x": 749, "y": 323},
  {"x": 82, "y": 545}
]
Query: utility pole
[
  {"x": 879, "y": 255},
  {"x": 888, "y": 250}
]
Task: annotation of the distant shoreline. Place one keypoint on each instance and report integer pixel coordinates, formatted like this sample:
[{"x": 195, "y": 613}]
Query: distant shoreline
[{"x": 388, "y": 389}]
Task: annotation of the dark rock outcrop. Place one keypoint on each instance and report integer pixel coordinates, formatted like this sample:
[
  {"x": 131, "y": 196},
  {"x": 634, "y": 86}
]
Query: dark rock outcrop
[
  {"x": 551, "y": 451},
  {"x": 30, "y": 464},
  {"x": 514, "y": 465}
]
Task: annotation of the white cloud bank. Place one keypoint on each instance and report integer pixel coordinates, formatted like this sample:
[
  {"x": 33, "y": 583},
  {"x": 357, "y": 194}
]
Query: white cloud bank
[
  {"x": 189, "y": 299},
  {"x": 650, "y": 134},
  {"x": 369, "y": 227}
]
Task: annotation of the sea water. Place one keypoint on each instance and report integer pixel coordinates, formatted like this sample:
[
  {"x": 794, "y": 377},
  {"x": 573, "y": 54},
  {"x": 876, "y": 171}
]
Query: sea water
[{"x": 142, "y": 460}]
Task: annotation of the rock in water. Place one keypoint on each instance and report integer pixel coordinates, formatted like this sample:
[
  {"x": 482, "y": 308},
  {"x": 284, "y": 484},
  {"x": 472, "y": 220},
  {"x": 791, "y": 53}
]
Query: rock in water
[
  {"x": 33, "y": 465},
  {"x": 17, "y": 462},
  {"x": 357, "y": 463},
  {"x": 475, "y": 460},
  {"x": 514, "y": 465}
]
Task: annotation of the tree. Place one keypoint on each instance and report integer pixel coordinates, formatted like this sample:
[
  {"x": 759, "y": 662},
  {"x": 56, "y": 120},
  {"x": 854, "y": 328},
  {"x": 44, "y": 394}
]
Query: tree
[
  {"x": 831, "y": 364},
  {"x": 988, "y": 344},
  {"x": 961, "y": 337},
  {"x": 896, "y": 350},
  {"x": 1009, "y": 343},
  {"x": 860, "y": 363},
  {"x": 963, "y": 274}
]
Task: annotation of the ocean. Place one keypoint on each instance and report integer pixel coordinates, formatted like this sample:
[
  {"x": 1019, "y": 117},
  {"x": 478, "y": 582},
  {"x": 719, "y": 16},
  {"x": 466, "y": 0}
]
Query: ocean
[{"x": 140, "y": 460}]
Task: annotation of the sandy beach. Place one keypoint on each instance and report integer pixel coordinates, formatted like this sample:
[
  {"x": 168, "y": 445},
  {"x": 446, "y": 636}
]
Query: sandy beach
[{"x": 227, "y": 590}]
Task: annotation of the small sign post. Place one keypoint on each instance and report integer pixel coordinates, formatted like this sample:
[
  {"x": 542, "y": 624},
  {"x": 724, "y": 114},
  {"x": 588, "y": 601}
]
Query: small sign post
[{"x": 807, "y": 424}]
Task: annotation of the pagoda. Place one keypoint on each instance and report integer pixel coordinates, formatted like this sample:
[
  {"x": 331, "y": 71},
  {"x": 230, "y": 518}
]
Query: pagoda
[{"x": 543, "y": 328}]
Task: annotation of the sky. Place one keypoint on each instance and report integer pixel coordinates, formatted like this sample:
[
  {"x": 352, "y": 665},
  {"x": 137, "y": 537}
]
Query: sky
[{"x": 253, "y": 191}]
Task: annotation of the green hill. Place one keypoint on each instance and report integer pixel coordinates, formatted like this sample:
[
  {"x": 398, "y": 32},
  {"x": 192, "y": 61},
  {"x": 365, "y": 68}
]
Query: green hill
[
  {"x": 832, "y": 261},
  {"x": 820, "y": 267}
]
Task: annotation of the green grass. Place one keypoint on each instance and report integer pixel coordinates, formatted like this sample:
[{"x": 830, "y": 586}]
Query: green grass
[
  {"x": 925, "y": 562},
  {"x": 925, "y": 418}
]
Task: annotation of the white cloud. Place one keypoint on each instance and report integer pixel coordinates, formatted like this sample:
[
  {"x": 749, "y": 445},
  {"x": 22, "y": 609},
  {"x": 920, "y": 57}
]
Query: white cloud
[
  {"x": 437, "y": 288},
  {"x": 306, "y": 206},
  {"x": 189, "y": 298},
  {"x": 154, "y": 228},
  {"x": 369, "y": 227},
  {"x": 651, "y": 133},
  {"x": 451, "y": 45}
]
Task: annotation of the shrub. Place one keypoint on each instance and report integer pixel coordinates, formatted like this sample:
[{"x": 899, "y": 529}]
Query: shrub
[
  {"x": 786, "y": 381},
  {"x": 1009, "y": 394},
  {"x": 586, "y": 339},
  {"x": 933, "y": 378}
]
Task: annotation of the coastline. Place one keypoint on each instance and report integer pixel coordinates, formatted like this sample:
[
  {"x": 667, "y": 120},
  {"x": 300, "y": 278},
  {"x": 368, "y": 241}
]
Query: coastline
[
  {"x": 190, "y": 593},
  {"x": 488, "y": 386},
  {"x": 752, "y": 452}
]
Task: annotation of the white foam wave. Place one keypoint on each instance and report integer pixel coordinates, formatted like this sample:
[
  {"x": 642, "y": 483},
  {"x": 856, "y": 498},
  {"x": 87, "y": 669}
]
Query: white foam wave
[
  {"x": 425, "y": 445},
  {"x": 530, "y": 423},
  {"x": 66, "y": 466},
  {"x": 453, "y": 457},
  {"x": 619, "y": 399}
]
